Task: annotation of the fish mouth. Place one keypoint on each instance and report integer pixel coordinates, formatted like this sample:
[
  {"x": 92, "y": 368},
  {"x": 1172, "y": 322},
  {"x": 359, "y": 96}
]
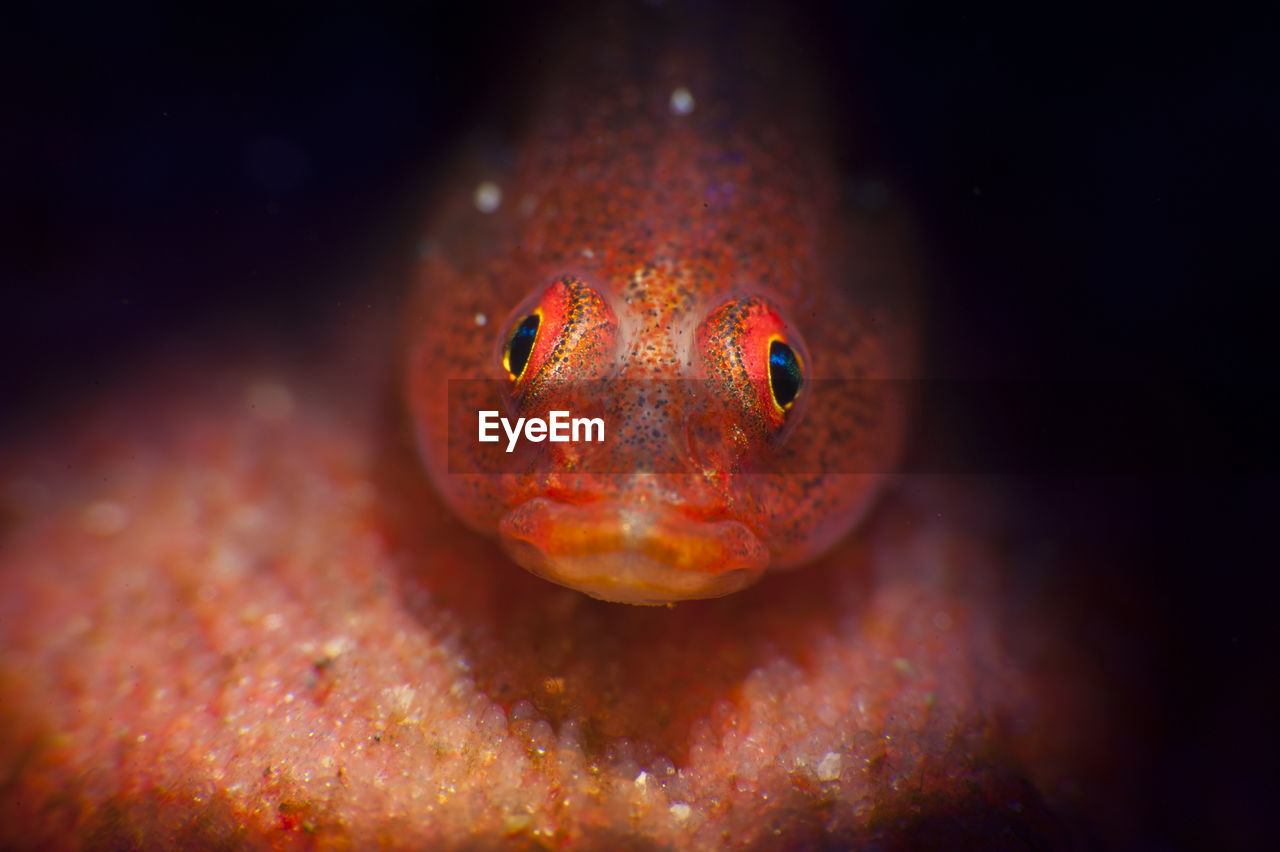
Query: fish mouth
[{"x": 626, "y": 553}]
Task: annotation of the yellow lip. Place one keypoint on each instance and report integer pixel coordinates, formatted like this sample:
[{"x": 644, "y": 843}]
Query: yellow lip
[{"x": 617, "y": 552}]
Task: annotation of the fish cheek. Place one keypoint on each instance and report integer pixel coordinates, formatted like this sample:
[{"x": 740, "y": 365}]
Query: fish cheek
[{"x": 448, "y": 381}]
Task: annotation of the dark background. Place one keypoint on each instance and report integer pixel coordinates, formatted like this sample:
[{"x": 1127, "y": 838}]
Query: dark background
[{"x": 1097, "y": 189}]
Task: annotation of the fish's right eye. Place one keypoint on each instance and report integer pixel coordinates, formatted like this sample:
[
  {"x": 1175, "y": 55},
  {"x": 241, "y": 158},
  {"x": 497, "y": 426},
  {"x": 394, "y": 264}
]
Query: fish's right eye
[{"x": 559, "y": 337}]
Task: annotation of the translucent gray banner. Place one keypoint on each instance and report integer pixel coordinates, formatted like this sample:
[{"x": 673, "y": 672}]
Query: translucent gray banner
[{"x": 868, "y": 427}]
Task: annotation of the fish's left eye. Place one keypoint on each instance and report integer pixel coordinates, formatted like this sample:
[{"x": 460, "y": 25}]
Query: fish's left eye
[
  {"x": 785, "y": 374},
  {"x": 754, "y": 359}
]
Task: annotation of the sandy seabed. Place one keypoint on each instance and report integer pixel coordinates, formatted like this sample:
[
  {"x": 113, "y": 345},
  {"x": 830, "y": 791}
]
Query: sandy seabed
[{"x": 234, "y": 615}]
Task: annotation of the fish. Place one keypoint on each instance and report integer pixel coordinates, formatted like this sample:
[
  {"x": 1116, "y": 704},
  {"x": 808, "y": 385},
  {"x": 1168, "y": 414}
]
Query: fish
[{"x": 671, "y": 242}]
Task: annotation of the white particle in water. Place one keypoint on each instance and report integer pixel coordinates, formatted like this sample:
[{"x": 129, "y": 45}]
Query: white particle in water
[
  {"x": 682, "y": 102},
  {"x": 488, "y": 196}
]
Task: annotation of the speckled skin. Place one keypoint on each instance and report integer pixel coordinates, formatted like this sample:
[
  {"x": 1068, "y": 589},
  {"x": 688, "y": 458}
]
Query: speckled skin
[{"x": 670, "y": 248}]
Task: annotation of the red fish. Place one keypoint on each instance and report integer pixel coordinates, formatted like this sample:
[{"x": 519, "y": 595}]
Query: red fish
[{"x": 669, "y": 249}]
